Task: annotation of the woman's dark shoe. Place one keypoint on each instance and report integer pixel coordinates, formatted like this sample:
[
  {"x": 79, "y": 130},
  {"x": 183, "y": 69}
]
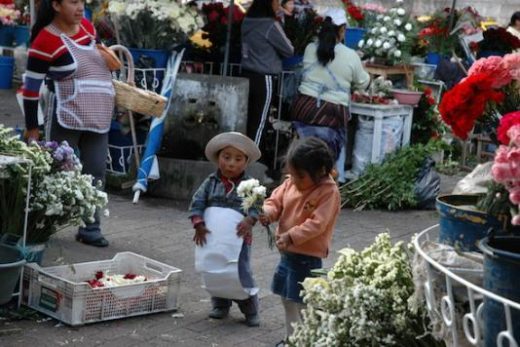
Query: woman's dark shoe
[
  {"x": 101, "y": 242},
  {"x": 280, "y": 344},
  {"x": 218, "y": 313}
]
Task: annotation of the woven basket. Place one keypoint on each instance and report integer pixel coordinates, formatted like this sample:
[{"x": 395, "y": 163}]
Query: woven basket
[{"x": 139, "y": 100}]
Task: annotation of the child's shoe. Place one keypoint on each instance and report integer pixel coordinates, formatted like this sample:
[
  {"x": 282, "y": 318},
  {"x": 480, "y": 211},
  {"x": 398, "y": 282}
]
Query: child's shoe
[
  {"x": 219, "y": 313},
  {"x": 253, "y": 320}
]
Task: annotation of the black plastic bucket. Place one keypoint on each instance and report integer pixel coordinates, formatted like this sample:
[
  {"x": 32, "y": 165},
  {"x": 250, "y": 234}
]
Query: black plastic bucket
[{"x": 11, "y": 262}]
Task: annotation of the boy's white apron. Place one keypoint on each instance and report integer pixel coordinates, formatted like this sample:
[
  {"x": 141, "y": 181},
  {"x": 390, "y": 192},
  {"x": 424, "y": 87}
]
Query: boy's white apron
[{"x": 217, "y": 261}]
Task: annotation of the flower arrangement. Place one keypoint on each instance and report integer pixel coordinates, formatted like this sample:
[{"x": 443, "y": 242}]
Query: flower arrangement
[
  {"x": 215, "y": 29},
  {"x": 427, "y": 123},
  {"x": 154, "y": 24},
  {"x": 60, "y": 194},
  {"x": 253, "y": 196},
  {"x": 355, "y": 14},
  {"x": 499, "y": 40},
  {"x": 506, "y": 166},
  {"x": 9, "y": 15},
  {"x": 391, "y": 36},
  {"x": 378, "y": 93},
  {"x": 303, "y": 29},
  {"x": 490, "y": 89},
  {"x": 365, "y": 300},
  {"x": 104, "y": 280}
]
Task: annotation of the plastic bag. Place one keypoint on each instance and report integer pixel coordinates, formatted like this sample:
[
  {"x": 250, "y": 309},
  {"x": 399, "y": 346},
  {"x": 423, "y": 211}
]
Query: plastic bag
[
  {"x": 427, "y": 185},
  {"x": 476, "y": 181},
  {"x": 391, "y": 134}
]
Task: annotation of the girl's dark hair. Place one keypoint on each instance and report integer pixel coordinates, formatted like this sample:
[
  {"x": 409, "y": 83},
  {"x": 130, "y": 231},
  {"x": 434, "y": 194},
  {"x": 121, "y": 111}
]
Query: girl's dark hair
[
  {"x": 514, "y": 18},
  {"x": 327, "y": 41},
  {"x": 261, "y": 9},
  {"x": 312, "y": 155},
  {"x": 44, "y": 17}
]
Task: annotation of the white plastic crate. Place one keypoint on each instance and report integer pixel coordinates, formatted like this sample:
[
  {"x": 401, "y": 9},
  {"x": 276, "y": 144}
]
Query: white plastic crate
[{"x": 62, "y": 293}]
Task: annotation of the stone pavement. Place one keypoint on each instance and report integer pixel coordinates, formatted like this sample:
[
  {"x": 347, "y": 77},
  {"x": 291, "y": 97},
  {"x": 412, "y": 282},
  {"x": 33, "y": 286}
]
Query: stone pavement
[{"x": 160, "y": 229}]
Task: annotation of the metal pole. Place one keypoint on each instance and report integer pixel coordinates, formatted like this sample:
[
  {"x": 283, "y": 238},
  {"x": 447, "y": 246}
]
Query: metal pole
[
  {"x": 32, "y": 11},
  {"x": 452, "y": 15},
  {"x": 228, "y": 37}
]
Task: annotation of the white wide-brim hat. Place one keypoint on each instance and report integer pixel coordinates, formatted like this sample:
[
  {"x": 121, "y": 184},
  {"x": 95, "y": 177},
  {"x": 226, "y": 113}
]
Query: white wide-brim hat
[
  {"x": 233, "y": 139},
  {"x": 338, "y": 15}
]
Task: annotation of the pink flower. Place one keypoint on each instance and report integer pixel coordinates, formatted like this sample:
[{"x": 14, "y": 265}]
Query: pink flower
[
  {"x": 492, "y": 66},
  {"x": 374, "y": 7},
  {"x": 512, "y": 63},
  {"x": 514, "y": 135},
  {"x": 514, "y": 195},
  {"x": 516, "y": 220}
]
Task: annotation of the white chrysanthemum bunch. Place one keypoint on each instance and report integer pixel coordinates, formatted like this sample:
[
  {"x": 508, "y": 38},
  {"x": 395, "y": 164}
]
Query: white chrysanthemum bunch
[
  {"x": 391, "y": 35},
  {"x": 60, "y": 194},
  {"x": 252, "y": 194},
  {"x": 362, "y": 302},
  {"x": 154, "y": 24}
]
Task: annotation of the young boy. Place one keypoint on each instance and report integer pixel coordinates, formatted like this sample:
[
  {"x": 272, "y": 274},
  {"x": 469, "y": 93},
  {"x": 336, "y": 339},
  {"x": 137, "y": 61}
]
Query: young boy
[{"x": 217, "y": 195}]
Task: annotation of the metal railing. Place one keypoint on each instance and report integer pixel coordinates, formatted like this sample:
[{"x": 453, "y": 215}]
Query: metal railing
[{"x": 472, "y": 319}]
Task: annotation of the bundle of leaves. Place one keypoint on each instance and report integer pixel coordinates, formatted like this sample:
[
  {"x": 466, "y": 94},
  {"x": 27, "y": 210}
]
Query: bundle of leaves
[{"x": 391, "y": 184}]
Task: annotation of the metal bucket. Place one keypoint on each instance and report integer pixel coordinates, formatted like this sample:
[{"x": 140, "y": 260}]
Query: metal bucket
[
  {"x": 501, "y": 269},
  {"x": 461, "y": 225},
  {"x": 11, "y": 262}
]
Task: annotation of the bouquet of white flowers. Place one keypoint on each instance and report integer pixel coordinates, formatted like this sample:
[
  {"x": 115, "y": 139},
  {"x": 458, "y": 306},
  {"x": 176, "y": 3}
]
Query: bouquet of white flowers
[
  {"x": 253, "y": 196},
  {"x": 154, "y": 24},
  {"x": 364, "y": 301},
  {"x": 60, "y": 194},
  {"x": 391, "y": 36}
]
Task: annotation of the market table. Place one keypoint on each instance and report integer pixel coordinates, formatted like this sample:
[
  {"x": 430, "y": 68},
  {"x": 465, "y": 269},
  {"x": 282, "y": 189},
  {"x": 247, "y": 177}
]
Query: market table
[
  {"x": 385, "y": 71},
  {"x": 379, "y": 113}
]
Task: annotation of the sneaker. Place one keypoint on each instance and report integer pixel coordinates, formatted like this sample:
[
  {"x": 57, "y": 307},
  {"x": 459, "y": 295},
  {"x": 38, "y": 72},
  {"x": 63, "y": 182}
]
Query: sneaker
[
  {"x": 218, "y": 313},
  {"x": 253, "y": 320},
  {"x": 280, "y": 344},
  {"x": 100, "y": 242}
]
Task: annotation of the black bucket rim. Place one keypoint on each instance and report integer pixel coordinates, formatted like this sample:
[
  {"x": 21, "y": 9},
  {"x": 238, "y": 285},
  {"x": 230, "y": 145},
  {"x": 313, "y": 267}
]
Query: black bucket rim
[
  {"x": 495, "y": 253},
  {"x": 18, "y": 262}
]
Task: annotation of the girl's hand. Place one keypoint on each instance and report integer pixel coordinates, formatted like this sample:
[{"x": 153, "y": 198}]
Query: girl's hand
[
  {"x": 200, "y": 235},
  {"x": 245, "y": 226},
  {"x": 283, "y": 242},
  {"x": 264, "y": 219}
]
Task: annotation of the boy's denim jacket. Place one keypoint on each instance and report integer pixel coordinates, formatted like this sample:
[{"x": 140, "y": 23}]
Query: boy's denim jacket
[{"x": 212, "y": 193}]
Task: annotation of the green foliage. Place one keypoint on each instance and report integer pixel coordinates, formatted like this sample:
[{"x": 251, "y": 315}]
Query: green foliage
[{"x": 391, "y": 184}]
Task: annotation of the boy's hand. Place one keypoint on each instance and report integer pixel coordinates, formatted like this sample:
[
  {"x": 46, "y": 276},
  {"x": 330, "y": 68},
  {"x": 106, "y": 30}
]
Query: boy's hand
[
  {"x": 200, "y": 234},
  {"x": 245, "y": 226},
  {"x": 264, "y": 219},
  {"x": 283, "y": 241}
]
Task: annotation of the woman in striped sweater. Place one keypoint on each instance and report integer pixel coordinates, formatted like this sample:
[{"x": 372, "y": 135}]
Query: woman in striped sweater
[{"x": 81, "y": 99}]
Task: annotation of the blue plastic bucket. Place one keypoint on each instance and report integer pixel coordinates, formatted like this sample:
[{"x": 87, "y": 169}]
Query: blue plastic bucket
[
  {"x": 291, "y": 62},
  {"x": 6, "y": 72},
  {"x": 433, "y": 58},
  {"x": 461, "y": 225},
  {"x": 21, "y": 35},
  {"x": 11, "y": 262},
  {"x": 158, "y": 58},
  {"x": 87, "y": 13},
  {"x": 6, "y": 35},
  {"x": 353, "y": 36},
  {"x": 501, "y": 269}
]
